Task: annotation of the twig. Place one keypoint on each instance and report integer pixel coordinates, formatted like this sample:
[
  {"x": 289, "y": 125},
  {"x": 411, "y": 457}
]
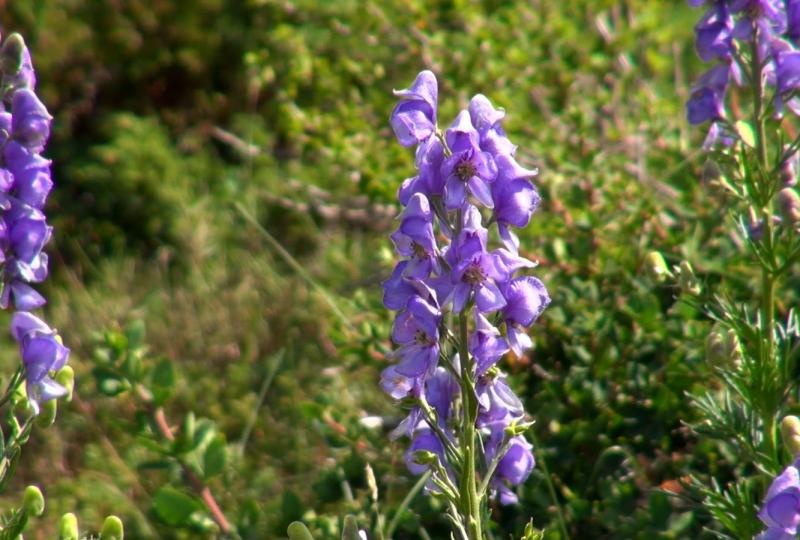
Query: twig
[{"x": 194, "y": 481}]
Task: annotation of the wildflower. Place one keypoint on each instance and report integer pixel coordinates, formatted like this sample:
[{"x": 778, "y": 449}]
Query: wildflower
[
  {"x": 25, "y": 183},
  {"x": 414, "y": 118},
  {"x": 468, "y": 168},
  {"x": 450, "y": 265},
  {"x": 42, "y": 353},
  {"x": 781, "y": 510}
]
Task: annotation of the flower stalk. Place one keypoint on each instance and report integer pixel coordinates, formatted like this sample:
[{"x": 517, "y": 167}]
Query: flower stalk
[{"x": 460, "y": 306}]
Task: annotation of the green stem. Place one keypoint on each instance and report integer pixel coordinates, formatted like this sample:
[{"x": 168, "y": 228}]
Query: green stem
[
  {"x": 406, "y": 503},
  {"x": 562, "y": 523},
  {"x": 470, "y": 502},
  {"x": 767, "y": 277}
]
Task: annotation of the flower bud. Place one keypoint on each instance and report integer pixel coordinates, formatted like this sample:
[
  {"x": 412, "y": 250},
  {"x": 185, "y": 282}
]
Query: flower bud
[
  {"x": 425, "y": 457},
  {"x": 789, "y": 204},
  {"x": 12, "y": 54},
  {"x": 688, "y": 282},
  {"x": 790, "y": 433},
  {"x": 298, "y": 531},
  {"x": 68, "y": 528},
  {"x": 33, "y": 501},
  {"x": 723, "y": 347},
  {"x": 66, "y": 378},
  {"x": 112, "y": 529},
  {"x": 656, "y": 267},
  {"x": 47, "y": 413}
]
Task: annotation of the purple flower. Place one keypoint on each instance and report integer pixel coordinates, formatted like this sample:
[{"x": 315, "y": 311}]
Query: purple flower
[
  {"x": 415, "y": 238},
  {"x": 526, "y": 299},
  {"x": 515, "y": 198},
  {"x": 468, "y": 168},
  {"x": 397, "y": 385},
  {"x": 486, "y": 344},
  {"x": 793, "y": 19},
  {"x": 414, "y": 118},
  {"x": 30, "y": 123},
  {"x": 42, "y": 352},
  {"x": 496, "y": 401},
  {"x": 486, "y": 120},
  {"x": 428, "y": 181},
  {"x": 714, "y": 33},
  {"x": 416, "y": 330},
  {"x": 478, "y": 273},
  {"x": 514, "y": 467},
  {"x": 787, "y": 71},
  {"x": 708, "y": 95},
  {"x": 781, "y": 510},
  {"x": 440, "y": 391}
]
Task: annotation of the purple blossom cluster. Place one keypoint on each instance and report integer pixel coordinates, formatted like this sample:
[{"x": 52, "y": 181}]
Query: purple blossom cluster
[
  {"x": 25, "y": 182},
  {"x": 742, "y": 36},
  {"x": 467, "y": 180},
  {"x": 781, "y": 510}
]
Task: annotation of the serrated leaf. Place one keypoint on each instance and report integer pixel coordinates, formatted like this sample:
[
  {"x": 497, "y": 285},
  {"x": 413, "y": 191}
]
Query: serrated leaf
[{"x": 174, "y": 507}]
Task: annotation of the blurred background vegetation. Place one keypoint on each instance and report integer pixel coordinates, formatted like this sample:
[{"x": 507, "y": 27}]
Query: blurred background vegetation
[{"x": 177, "y": 119}]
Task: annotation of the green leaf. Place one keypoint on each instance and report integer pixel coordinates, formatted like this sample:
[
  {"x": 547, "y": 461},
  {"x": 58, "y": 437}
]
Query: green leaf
[
  {"x": 746, "y": 133},
  {"x": 214, "y": 457},
  {"x": 173, "y": 506},
  {"x": 162, "y": 381},
  {"x": 135, "y": 333},
  {"x": 298, "y": 531},
  {"x": 109, "y": 381}
]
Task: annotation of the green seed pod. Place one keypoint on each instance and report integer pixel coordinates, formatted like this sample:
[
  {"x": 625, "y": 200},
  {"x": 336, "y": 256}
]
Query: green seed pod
[
  {"x": 112, "y": 529},
  {"x": 47, "y": 413},
  {"x": 11, "y": 54},
  {"x": 688, "y": 282},
  {"x": 66, "y": 378},
  {"x": 790, "y": 433},
  {"x": 298, "y": 531},
  {"x": 656, "y": 267},
  {"x": 789, "y": 204},
  {"x": 68, "y": 528},
  {"x": 715, "y": 347},
  {"x": 33, "y": 501}
]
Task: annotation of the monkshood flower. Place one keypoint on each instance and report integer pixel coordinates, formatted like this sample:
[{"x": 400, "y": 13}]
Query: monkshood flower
[
  {"x": 416, "y": 331},
  {"x": 25, "y": 183},
  {"x": 414, "y": 118},
  {"x": 415, "y": 238},
  {"x": 460, "y": 304},
  {"x": 513, "y": 468},
  {"x": 781, "y": 510},
  {"x": 526, "y": 299},
  {"x": 707, "y": 101},
  {"x": 468, "y": 169},
  {"x": 42, "y": 353}
]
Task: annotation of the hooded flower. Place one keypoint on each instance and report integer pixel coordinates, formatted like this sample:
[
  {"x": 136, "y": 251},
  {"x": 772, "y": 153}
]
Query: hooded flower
[
  {"x": 414, "y": 118},
  {"x": 526, "y": 299},
  {"x": 42, "y": 353},
  {"x": 781, "y": 510},
  {"x": 468, "y": 169}
]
